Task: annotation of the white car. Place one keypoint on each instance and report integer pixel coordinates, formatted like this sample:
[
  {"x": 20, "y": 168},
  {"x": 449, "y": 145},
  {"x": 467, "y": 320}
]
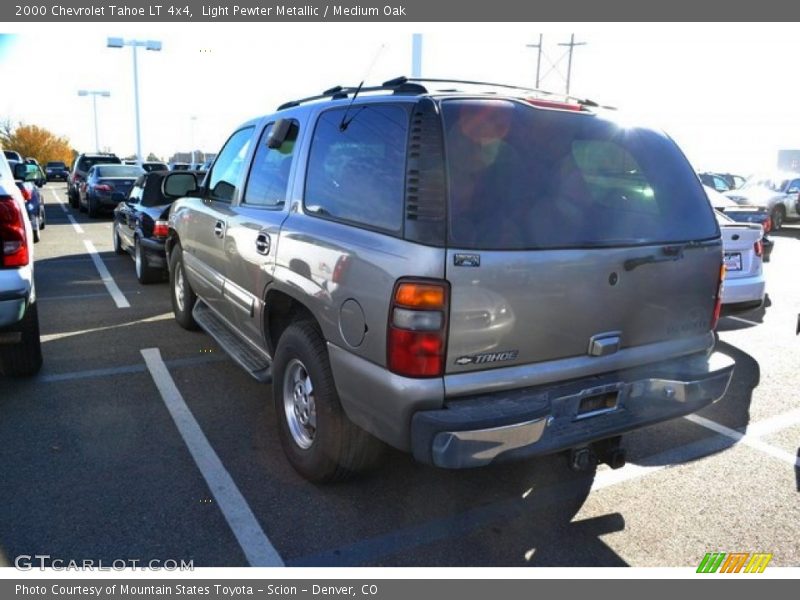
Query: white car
[
  {"x": 744, "y": 283},
  {"x": 779, "y": 192}
]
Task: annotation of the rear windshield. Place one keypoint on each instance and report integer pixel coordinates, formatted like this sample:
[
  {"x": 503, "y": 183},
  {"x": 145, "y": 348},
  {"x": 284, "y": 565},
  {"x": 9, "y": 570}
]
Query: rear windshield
[
  {"x": 88, "y": 162},
  {"x": 526, "y": 178},
  {"x": 119, "y": 171}
]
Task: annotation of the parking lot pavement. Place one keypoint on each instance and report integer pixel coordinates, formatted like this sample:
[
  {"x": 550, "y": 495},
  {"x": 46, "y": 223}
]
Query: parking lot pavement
[{"x": 112, "y": 452}]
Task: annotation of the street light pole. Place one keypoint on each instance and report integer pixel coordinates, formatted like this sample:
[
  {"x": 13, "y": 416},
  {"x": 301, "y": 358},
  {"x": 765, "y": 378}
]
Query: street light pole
[
  {"x": 192, "y": 119},
  {"x": 94, "y": 94},
  {"x": 153, "y": 45}
]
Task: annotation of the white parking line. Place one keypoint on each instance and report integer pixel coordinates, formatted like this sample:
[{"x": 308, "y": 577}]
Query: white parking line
[
  {"x": 66, "y": 334},
  {"x": 254, "y": 543},
  {"x": 747, "y": 439},
  {"x": 75, "y": 225},
  {"x": 741, "y": 320},
  {"x": 775, "y": 424},
  {"x": 59, "y": 200},
  {"x": 108, "y": 281}
]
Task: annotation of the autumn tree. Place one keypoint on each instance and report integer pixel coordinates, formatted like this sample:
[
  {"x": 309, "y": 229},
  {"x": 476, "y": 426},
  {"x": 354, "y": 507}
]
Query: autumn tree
[{"x": 36, "y": 142}]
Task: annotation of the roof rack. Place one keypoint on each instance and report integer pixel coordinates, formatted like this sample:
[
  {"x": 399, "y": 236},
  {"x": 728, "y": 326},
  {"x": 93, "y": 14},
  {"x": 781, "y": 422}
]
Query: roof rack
[{"x": 414, "y": 86}]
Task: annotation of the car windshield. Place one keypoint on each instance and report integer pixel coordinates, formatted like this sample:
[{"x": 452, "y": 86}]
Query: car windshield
[
  {"x": 514, "y": 171},
  {"x": 118, "y": 171},
  {"x": 776, "y": 184}
]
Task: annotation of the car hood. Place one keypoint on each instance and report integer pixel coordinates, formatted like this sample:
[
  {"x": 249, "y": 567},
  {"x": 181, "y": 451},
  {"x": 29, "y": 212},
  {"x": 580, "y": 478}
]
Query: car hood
[{"x": 756, "y": 196}]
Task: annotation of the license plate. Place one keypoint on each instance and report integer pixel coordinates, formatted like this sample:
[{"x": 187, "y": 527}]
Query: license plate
[{"x": 733, "y": 261}]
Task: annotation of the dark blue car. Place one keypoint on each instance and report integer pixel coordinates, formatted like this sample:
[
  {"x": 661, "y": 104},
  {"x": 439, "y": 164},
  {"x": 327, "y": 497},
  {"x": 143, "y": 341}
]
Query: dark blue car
[
  {"x": 28, "y": 181},
  {"x": 106, "y": 186}
]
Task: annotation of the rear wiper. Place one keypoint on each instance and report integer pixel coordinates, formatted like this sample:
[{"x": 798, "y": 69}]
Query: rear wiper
[{"x": 668, "y": 254}]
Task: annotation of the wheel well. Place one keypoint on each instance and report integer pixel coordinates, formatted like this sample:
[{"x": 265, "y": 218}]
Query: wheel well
[
  {"x": 172, "y": 239},
  {"x": 282, "y": 311}
]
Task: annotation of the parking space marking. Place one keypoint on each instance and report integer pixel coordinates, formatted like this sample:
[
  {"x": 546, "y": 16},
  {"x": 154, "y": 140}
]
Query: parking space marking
[
  {"x": 105, "y": 276},
  {"x": 775, "y": 424},
  {"x": 77, "y": 296},
  {"x": 59, "y": 201},
  {"x": 741, "y": 320},
  {"x": 747, "y": 439},
  {"x": 254, "y": 543},
  {"x": 66, "y": 334},
  {"x": 126, "y": 369},
  {"x": 75, "y": 225}
]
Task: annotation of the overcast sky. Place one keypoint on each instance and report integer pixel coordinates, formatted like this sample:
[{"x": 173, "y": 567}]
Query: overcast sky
[{"x": 726, "y": 92}]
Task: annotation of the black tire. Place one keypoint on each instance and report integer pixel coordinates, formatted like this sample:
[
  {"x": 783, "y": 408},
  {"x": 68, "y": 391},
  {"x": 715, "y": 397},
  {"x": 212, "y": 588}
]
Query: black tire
[
  {"x": 117, "y": 243},
  {"x": 335, "y": 447},
  {"x": 778, "y": 216},
  {"x": 92, "y": 209},
  {"x": 24, "y": 359},
  {"x": 144, "y": 273},
  {"x": 71, "y": 199},
  {"x": 36, "y": 232},
  {"x": 42, "y": 219},
  {"x": 81, "y": 207},
  {"x": 183, "y": 314}
]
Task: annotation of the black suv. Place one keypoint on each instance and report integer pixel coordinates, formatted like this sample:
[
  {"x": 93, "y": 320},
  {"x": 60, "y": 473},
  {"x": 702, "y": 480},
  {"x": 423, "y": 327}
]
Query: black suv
[{"x": 80, "y": 167}]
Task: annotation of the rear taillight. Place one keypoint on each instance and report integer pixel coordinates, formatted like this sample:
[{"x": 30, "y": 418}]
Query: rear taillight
[
  {"x": 103, "y": 187},
  {"x": 718, "y": 298},
  {"x": 340, "y": 269},
  {"x": 13, "y": 241},
  {"x": 161, "y": 229},
  {"x": 417, "y": 333},
  {"x": 26, "y": 193},
  {"x": 768, "y": 225},
  {"x": 759, "y": 248}
]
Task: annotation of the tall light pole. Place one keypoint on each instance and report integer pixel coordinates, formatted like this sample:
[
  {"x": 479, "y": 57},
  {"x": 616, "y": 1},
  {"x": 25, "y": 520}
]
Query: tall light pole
[
  {"x": 94, "y": 94},
  {"x": 115, "y": 42},
  {"x": 192, "y": 120}
]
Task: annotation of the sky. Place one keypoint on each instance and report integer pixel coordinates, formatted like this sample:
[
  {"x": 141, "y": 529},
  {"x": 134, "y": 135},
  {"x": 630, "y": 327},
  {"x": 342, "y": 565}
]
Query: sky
[{"x": 727, "y": 93}]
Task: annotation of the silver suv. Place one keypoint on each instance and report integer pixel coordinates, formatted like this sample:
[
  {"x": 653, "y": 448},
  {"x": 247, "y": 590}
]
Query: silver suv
[
  {"x": 465, "y": 275},
  {"x": 20, "y": 345}
]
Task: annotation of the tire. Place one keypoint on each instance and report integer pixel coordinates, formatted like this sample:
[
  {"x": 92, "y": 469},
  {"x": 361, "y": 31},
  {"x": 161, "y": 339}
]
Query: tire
[
  {"x": 42, "y": 219},
  {"x": 321, "y": 443},
  {"x": 92, "y": 209},
  {"x": 778, "y": 215},
  {"x": 24, "y": 359},
  {"x": 144, "y": 273},
  {"x": 116, "y": 242},
  {"x": 183, "y": 303},
  {"x": 71, "y": 199},
  {"x": 35, "y": 227},
  {"x": 81, "y": 207}
]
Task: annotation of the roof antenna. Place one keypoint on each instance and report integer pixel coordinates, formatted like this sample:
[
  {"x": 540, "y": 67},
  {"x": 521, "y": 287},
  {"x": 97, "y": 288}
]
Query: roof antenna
[{"x": 345, "y": 121}]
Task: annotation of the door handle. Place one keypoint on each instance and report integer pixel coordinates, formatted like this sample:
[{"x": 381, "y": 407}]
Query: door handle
[
  {"x": 263, "y": 243},
  {"x": 219, "y": 229}
]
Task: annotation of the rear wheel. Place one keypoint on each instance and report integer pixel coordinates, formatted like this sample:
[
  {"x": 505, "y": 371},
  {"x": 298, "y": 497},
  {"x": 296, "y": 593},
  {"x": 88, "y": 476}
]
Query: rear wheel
[
  {"x": 319, "y": 440},
  {"x": 92, "y": 207},
  {"x": 183, "y": 296},
  {"x": 24, "y": 359},
  {"x": 144, "y": 272},
  {"x": 778, "y": 216},
  {"x": 42, "y": 220},
  {"x": 36, "y": 226},
  {"x": 118, "y": 249}
]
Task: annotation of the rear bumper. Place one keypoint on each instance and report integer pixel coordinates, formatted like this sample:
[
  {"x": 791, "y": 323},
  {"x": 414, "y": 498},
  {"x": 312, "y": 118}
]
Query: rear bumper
[
  {"x": 744, "y": 290},
  {"x": 471, "y": 432},
  {"x": 154, "y": 251},
  {"x": 15, "y": 294}
]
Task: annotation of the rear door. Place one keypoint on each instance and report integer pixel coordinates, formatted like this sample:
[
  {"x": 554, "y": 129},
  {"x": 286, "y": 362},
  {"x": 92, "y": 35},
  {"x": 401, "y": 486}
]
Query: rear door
[
  {"x": 253, "y": 229},
  {"x": 570, "y": 236}
]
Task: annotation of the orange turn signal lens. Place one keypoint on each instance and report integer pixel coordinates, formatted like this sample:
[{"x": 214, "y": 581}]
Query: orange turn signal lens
[{"x": 420, "y": 295}]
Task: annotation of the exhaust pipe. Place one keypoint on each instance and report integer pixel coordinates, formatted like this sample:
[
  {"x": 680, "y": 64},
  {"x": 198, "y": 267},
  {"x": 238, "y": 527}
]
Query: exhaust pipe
[
  {"x": 616, "y": 459},
  {"x": 582, "y": 459}
]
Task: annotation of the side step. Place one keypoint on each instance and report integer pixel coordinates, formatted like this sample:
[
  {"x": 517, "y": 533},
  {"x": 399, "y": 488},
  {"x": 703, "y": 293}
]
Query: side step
[{"x": 242, "y": 352}]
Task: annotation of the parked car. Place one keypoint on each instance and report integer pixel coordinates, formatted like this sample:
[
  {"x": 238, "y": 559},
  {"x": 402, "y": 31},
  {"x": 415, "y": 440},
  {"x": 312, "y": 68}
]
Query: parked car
[
  {"x": 778, "y": 192},
  {"x": 27, "y": 179},
  {"x": 56, "y": 171},
  {"x": 106, "y": 185},
  {"x": 20, "y": 344},
  {"x": 154, "y": 166},
  {"x": 734, "y": 181},
  {"x": 337, "y": 250},
  {"x": 744, "y": 214},
  {"x": 81, "y": 166},
  {"x": 744, "y": 283},
  {"x": 140, "y": 222}
]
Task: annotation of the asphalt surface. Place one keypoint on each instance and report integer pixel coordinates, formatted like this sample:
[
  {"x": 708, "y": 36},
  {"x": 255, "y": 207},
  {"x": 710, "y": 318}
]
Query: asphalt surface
[{"x": 93, "y": 465}]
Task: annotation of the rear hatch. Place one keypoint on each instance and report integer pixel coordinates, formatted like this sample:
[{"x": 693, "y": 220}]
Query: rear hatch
[
  {"x": 565, "y": 228},
  {"x": 739, "y": 246}
]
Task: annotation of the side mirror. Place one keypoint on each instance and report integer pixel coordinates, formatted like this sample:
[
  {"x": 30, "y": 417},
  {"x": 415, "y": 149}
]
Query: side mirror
[
  {"x": 280, "y": 130},
  {"x": 179, "y": 183},
  {"x": 21, "y": 172}
]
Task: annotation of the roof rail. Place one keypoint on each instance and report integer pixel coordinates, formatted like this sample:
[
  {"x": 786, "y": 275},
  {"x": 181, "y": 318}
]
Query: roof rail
[{"x": 339, "y": 92}]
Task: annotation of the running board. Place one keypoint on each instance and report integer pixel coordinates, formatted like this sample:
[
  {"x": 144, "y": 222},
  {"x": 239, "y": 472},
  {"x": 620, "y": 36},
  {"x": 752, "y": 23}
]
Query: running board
[{"x": 252, "y": 361}]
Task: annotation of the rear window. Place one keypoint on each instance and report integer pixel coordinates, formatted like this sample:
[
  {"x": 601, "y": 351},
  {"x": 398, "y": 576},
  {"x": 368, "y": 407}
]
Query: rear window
[
  {"x": 526, "y": 178},
  {"x": 119, "y": 171},
  {"x": 87, "y": 162}
]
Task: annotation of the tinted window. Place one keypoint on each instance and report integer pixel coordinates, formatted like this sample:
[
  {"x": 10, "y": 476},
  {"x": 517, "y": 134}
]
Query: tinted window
[
  {"x": 358, "y": 174},
  {"x": 87, "y": 162},
  {"x": 269, "y": 175},
  {"x": 118, "y": 171},
  {"x": 521, "y": 177},
  {"x": 228, "y": 168}
]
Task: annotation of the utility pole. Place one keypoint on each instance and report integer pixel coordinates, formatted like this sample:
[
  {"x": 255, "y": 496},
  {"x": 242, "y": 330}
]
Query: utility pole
[
  {"x": 572, "y": 43},
  {"x": 538, "y": 57}
]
